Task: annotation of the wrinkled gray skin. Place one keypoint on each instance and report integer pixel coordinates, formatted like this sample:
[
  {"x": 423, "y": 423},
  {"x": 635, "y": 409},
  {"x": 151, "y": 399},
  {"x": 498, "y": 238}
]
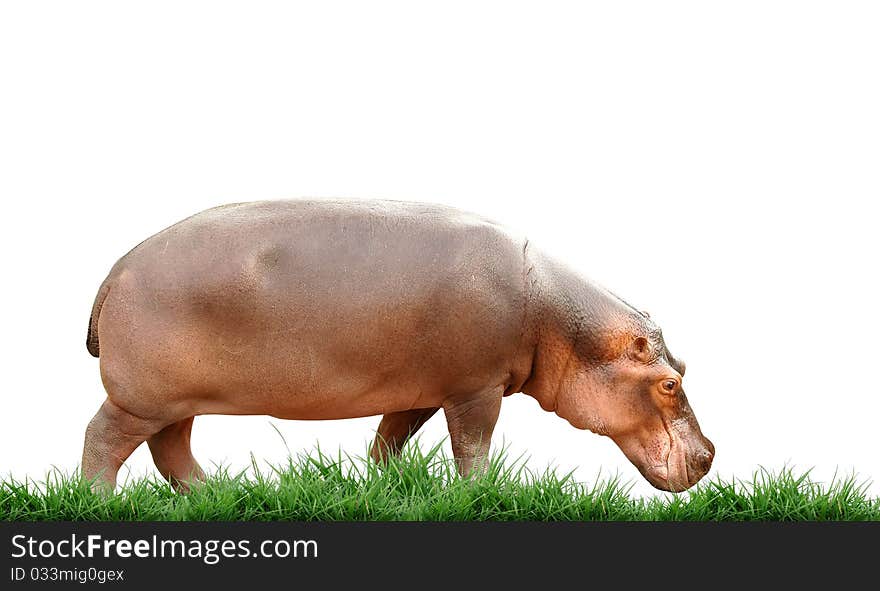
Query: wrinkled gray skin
[{"x": 338, "y": 309}]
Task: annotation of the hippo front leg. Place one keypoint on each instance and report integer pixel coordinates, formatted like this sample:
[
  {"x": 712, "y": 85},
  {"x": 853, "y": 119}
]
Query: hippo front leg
[{"x": 471, "y": 420}]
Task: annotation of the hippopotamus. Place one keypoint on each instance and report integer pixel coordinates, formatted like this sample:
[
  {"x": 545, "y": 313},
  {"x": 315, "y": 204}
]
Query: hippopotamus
[{"x": 332, "y": 309}]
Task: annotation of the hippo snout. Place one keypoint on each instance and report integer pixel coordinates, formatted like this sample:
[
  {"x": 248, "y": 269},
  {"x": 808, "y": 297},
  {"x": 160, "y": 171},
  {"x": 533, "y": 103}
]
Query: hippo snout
[
  {"x": 705, "y": 456},
  {"x": 701, "y": 461}
]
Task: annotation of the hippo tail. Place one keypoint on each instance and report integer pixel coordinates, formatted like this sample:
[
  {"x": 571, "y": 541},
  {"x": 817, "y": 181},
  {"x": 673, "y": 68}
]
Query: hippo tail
[{"x": 92, "y": 335}]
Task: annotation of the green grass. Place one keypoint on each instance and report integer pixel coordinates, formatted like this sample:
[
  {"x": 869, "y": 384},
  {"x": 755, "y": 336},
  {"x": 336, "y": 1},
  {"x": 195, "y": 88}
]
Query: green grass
[{"x": 423, "y": 486}]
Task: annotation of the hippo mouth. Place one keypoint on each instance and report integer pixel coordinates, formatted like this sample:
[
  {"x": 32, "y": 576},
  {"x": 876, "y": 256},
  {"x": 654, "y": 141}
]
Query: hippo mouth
[
  {"x": 668, "y": 474},
  {"x": 674, "y": 474},
  {"x": 677, "y": 472},
  {"x": 678, "y": 476},
  {"x": 679, "y": 460},
  {"x": 660, "y": 478}
]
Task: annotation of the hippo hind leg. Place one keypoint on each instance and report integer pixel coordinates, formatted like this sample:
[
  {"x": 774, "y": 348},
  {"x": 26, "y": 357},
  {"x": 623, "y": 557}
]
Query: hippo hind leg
[
  {"x": 395, "y": 429},
  {"x": 112, "y": 435},
  {"x": 471, "y": 420},
  {"x": 173, "y": 456}
]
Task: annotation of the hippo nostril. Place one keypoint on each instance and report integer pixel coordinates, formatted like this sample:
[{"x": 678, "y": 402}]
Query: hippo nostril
[{"x": 704, "y": 459}]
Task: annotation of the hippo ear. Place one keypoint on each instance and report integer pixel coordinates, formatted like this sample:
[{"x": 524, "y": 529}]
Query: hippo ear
[
  {"x": 640, "y": 349},
  {"x": 645, "y": 314},
  {"x": 678, "y": 365}
]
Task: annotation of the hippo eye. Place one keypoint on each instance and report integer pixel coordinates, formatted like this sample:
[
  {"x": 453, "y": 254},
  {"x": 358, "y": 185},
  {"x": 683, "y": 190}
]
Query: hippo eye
[{"x": 669, "y": 386}]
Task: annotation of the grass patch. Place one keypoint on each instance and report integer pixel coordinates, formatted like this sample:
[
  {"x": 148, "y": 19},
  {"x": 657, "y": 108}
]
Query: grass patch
[{"x": 424, "y": 486}]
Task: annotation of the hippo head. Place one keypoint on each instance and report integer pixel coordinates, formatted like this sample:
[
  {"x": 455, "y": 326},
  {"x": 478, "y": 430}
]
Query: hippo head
[{"x": 636, "y": 397}]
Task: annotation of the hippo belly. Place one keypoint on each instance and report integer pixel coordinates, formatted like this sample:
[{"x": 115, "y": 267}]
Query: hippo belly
[{"x": 312, "y": 310}]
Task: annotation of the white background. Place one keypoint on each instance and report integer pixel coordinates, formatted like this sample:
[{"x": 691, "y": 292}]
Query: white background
[{"x": 716, "y": 166}]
